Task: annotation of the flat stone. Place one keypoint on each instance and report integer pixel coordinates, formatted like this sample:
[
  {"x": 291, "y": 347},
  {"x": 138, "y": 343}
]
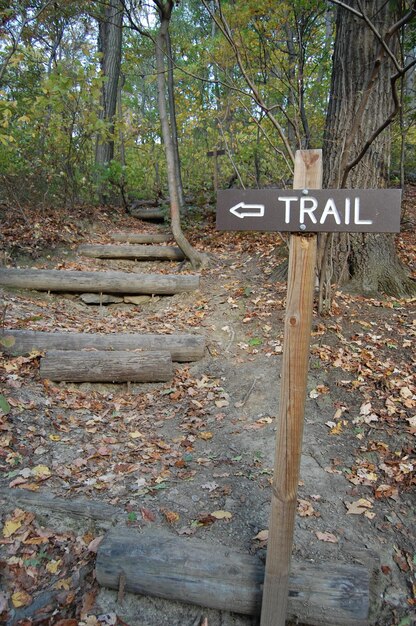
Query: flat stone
[
  {"x": 97, "y": 298},
  {"x": 137, "y": 299}
]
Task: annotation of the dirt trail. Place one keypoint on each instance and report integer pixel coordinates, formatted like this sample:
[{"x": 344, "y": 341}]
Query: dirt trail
[{"x": 168, "y": 455}]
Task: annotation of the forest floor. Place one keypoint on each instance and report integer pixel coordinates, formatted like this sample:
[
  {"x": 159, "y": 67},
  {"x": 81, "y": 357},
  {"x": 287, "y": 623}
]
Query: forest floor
[{"x": 195, "y": 455}]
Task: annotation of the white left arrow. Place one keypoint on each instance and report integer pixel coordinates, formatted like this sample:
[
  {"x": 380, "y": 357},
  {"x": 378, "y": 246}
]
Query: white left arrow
[{"x": 247, "y": 210}]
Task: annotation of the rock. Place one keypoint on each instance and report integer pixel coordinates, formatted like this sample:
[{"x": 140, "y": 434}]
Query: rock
[
  {"x": 97, "y": 298},
  {"x": 137, "y": 299}
]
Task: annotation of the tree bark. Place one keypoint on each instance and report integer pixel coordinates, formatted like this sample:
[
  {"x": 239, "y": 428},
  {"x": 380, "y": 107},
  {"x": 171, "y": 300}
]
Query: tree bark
[
  {"x": 361, "y": 100},
  {"x": 109, "y": 45},
  {"x": 203, "y": 573},
  {"x": 131, "y": 251},
  {"x": 196, "y": 258},
  {"x": 173, "y": 122},
  {"x": 183, "y": 348},
  {"x": 141, "y": 237},
  {"x": 106, "y": 366}
]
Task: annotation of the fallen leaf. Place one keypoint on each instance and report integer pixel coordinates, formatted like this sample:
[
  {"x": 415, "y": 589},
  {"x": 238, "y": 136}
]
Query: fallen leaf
[
  {"x": 41, "y": 471},
  {"x": 4, "y": 405},
  {"x": 64, "y": 583},
  {"x": 53, "y": 566},
  {"x": 358, "y": 507},
  {"x": 222, "y": 515},
  {"x": 21, "y": 598},
  {"x": 328, "y": 537},
  {"x": 170, "y": 516},
  {"x": 206, "y": 435},
  {"x": 385, "y": 491},
  {"x": 135, "y": 434},
  {"x": 147, "y": 515},
  {"x": 10, "y": 527},
  {"x": 93, "y": 545},
  {"x": 305, "y": 508},
  {"x": 263, "y": 535}
]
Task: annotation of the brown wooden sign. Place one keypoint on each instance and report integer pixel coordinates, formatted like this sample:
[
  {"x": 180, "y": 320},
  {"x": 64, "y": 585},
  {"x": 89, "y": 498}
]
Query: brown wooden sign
[{"x": 310, "y": 210}]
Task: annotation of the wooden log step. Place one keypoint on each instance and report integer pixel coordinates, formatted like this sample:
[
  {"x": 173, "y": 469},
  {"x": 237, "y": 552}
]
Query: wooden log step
[
  {"x": 182, "y": 347},
  {"x": 97, "y": 282},
  {"x": 132, "y": 251},
  {"x": 80, "y": 509},
  {"x": 154, "y": 215},
  {"x": 200, "y": 572},
  {"x": 141, "y": 237},
  {"x": 106, "y": 367}
]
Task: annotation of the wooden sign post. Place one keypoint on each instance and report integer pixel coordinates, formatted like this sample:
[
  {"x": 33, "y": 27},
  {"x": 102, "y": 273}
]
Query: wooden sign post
[
  {"x": 303, "y": 211},
  {"x": 300, "y": 288}
]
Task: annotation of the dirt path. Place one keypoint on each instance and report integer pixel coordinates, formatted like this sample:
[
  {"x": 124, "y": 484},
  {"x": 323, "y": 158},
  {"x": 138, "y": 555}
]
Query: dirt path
[{"x": 169, "y": 455}]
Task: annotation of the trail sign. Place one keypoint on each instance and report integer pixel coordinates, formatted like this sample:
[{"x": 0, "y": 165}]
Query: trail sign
[{"x": 310, "y": 210}]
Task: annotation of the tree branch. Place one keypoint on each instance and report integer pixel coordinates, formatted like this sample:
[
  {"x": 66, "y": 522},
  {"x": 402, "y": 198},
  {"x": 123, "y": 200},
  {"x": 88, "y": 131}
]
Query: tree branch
[{"x": 226, "y": 31}]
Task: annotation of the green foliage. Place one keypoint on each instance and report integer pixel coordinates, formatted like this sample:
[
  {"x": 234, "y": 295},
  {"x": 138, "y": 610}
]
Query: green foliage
[{"x": 51, "y": 88}]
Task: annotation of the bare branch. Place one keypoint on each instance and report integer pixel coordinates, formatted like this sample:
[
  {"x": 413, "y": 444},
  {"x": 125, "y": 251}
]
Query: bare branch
[{"x": 224, "y": 27}]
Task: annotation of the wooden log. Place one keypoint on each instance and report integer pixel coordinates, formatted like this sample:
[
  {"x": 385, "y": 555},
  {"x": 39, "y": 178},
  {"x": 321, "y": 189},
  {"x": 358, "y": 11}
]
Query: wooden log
[
  {"x": 182, "y": 347},
  {"x": 106, "y": 367},
  {"x": 154, "y": 215},
  {"x": 200, "y": 572},
  {"x": 141, "y": 237},
  {"x": 97, "y": 282},
  {"x": 81, "y": 509},
  {"x": 132, "y": 251}
]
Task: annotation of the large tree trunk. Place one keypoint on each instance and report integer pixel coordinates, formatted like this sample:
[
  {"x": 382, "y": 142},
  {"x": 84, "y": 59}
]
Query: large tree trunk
[
  {"x": 109, "y": 45},
  {"x": 361, "y": 100},
  {"x": 196, "y": 258}
]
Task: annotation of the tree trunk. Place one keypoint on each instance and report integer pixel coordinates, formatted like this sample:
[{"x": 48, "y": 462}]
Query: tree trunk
[
  {"x": 196, "y": 258},
  {"x": 361, "y": 100},
  {"x": 109, "y": 45},
  {"x": 173, "y": 122}
]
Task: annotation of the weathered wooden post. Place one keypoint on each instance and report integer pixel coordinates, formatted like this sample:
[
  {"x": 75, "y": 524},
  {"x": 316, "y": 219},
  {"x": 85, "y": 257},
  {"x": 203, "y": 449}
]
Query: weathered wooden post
[
  {"x": 300, "y": 288},
  {"x": 303, "y": 211}
]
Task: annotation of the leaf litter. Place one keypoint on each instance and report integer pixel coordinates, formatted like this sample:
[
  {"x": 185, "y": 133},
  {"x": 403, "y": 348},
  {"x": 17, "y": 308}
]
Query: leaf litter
[{"x": 196, "y": 455}]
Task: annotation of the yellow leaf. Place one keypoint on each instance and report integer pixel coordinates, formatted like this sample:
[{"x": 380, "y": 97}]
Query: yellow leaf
[
  {"x": 206, "y": 435},
  {"x": 222, "y": 515},
  {"x": 135, "y": 434},
  {"x": 337, "y": 429},
  {"x": 55, "y": 437},
  {"x": 10, "y": 527},
  {"x": 64, "y": 583},
  {"x": 31, "y": 487},
  {"x": 21, "y": 598},
  {"x": 53, "y": 566},
  {"x": 41, "y": 471}
]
